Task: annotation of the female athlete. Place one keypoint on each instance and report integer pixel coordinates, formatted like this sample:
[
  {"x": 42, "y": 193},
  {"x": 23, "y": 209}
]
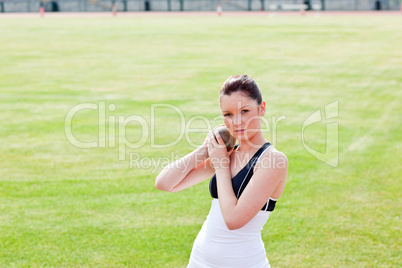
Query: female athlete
[{"x": 245, "y": 185}]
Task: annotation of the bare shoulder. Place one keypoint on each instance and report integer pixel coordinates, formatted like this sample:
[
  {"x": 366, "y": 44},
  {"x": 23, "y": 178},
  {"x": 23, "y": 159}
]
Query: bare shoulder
[
  {"x": 272, "y": 160},
  {"x": 271, "y": 171}
]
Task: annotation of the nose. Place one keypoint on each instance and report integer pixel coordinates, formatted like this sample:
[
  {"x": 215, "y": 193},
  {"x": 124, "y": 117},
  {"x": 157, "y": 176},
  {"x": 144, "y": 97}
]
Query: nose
[{"x": 237, "y": 120}]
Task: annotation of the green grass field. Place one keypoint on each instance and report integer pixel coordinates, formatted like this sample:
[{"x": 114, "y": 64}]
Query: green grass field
[{"x": 61, "y": 205}]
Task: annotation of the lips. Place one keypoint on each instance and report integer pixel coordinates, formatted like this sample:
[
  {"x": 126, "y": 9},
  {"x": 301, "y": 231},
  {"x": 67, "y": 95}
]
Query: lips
[{"x": 240, "y": 131}]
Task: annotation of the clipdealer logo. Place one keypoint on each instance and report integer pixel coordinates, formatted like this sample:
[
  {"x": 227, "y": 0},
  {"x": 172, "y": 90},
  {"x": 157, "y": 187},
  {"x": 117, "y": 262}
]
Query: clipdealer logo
[
  {"x": 113, "y": 131},
  {"x": 331, "y": 154}
]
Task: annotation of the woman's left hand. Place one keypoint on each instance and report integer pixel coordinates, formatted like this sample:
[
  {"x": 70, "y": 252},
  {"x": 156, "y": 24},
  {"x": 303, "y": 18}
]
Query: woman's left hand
[{"x": 220, "y": 157}]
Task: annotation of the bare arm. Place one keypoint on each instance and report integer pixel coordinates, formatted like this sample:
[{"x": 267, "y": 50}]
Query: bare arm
[
  {"x": 238, "y": 212},
  {"x": 188, "y": 170},
  {"x": 185, "y": 172}
]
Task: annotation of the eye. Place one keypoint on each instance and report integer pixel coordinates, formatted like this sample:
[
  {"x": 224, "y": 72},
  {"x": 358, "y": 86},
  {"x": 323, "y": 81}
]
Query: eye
[
  {"x": 244, "y": 111},
  {"x": 226, "y": 115}
]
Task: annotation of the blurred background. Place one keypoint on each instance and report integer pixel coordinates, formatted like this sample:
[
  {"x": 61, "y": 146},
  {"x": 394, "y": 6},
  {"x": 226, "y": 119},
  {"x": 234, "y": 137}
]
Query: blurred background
[{"x": 194, "y": 5}]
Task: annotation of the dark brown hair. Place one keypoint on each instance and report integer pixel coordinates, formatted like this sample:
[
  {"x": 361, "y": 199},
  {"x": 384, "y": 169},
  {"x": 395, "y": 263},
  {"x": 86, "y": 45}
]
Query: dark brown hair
[{"x": 244, "y": 84}]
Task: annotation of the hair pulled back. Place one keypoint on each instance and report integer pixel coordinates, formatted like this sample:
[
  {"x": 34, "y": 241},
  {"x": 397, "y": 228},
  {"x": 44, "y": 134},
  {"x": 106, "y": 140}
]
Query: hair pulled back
[{"x": 243, "y": 84}]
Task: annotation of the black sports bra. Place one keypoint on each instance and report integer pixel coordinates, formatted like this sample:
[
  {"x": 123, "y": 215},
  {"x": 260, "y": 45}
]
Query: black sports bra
[{"x": 242, "y": 178}]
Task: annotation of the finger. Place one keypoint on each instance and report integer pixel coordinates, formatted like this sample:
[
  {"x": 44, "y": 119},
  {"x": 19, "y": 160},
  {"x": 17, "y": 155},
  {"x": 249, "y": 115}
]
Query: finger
[
  {"x": 209, "y": 133},
  {"x": 210, "y": 136},
  {"x": 213, "y": 141},
  {"x": 218, "y": 137},
  {"x": 209, "y": 145},
  {"x": 219, "y": 140}
]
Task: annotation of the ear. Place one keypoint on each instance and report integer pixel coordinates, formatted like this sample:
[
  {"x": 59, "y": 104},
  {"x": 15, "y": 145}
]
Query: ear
[{"x": 262, "y": 108}]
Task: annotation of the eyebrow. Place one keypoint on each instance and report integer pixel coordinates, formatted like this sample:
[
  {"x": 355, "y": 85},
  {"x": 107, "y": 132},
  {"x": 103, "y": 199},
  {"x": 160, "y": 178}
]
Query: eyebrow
[{"x": 240, "y": 107}]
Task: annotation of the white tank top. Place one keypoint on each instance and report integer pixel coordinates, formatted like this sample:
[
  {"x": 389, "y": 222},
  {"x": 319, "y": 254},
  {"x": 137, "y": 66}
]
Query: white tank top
[{"x": 217, "y": 246}]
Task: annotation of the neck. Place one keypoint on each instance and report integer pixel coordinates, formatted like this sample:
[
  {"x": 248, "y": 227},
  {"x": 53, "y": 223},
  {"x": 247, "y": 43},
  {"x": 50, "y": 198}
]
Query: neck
[{"x": 253, "y": 143}]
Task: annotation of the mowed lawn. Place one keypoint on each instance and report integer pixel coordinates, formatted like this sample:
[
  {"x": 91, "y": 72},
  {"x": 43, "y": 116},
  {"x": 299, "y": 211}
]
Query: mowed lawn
[{"x": 62, "y": 205}]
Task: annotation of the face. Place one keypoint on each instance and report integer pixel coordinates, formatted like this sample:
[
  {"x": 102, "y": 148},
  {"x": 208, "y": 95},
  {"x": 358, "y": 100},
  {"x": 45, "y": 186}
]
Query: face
[{"x": 242, "y": 115}]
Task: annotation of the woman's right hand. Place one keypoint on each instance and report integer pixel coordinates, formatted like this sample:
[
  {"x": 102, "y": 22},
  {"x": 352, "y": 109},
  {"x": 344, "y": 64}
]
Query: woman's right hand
[
  {"x": 204, "y": 145},
  {"x": 207, "y": 140}
]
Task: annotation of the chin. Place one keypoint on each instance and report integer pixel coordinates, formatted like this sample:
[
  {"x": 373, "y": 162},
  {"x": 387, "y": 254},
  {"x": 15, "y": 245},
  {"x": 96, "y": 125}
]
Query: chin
[
  {"x": 245, "y": 136},
  {"x": 240, "y": 137}
]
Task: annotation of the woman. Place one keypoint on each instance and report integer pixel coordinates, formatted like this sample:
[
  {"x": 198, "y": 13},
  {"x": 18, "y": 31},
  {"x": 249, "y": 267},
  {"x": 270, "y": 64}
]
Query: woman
[{"x": 245, "y": 183}]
